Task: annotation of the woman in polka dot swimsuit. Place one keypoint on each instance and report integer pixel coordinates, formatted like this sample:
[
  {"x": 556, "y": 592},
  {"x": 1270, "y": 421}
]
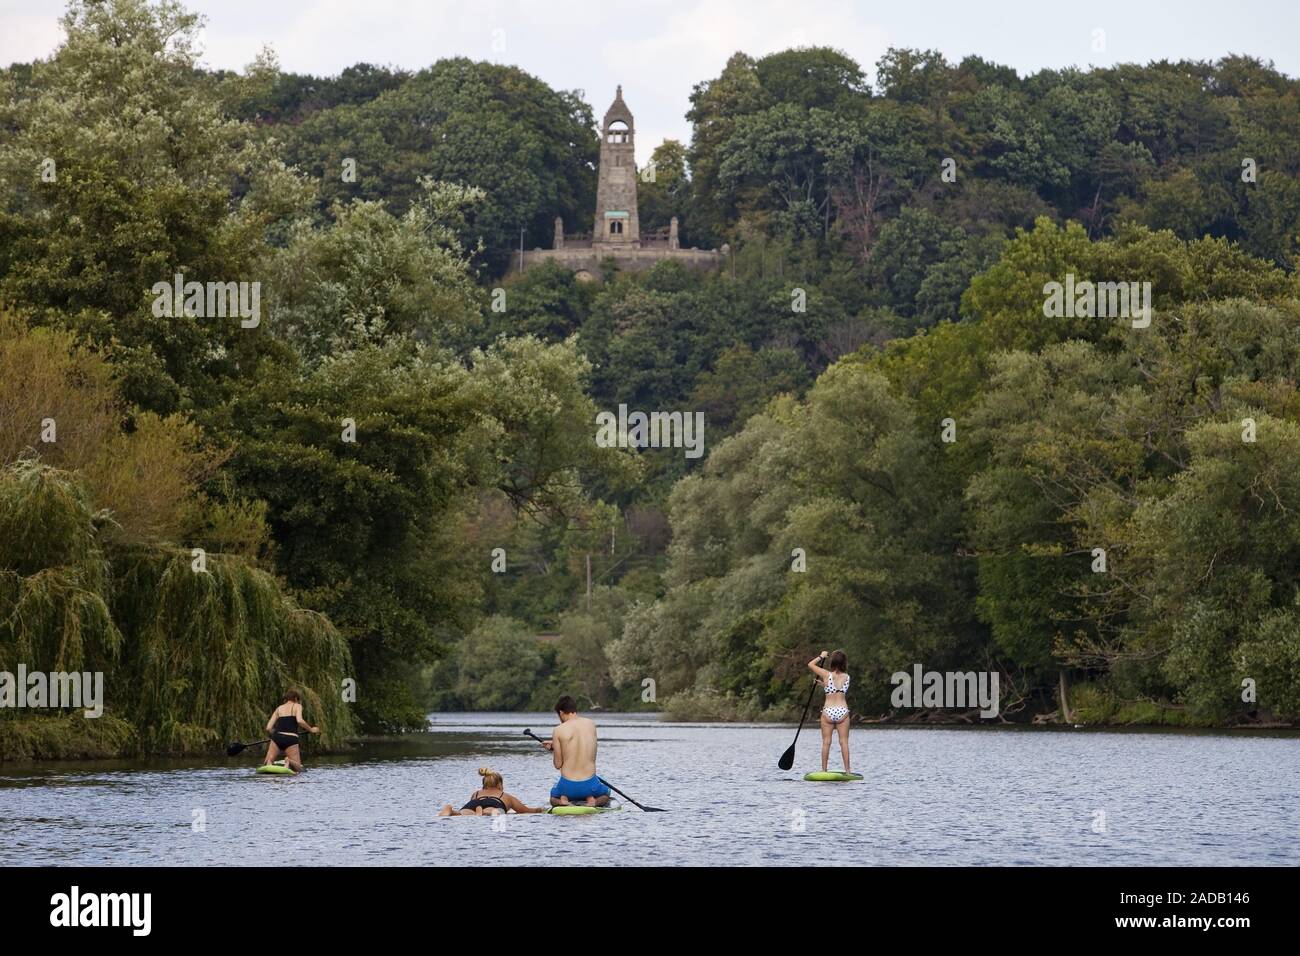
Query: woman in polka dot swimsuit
[{"x": 835, "y": 712}]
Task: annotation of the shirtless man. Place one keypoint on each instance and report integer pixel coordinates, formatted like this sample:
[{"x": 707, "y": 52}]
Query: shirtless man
[{"x": 573, "y": 748}]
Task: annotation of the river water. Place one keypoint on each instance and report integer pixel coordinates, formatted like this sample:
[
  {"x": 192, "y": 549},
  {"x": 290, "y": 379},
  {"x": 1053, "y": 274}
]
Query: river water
[{"x": 931, "y": 796}]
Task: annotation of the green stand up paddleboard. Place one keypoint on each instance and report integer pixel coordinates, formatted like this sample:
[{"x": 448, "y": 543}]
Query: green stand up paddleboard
[
  {"x": 578, "y": 810},
  {"x": 835, "y": 775},
  {"x": 277, "y": 768}
]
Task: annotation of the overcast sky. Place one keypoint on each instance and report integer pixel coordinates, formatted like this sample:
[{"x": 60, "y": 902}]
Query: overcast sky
[{"x": 658, "y": 49}]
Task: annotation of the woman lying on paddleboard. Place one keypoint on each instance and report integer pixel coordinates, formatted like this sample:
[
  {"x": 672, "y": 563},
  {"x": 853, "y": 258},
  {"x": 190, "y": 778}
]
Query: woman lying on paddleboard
[
  {"x": 490, "y": 800},
  {"x": 286, "y": 720},
  {"x": 835, "y": 712}
]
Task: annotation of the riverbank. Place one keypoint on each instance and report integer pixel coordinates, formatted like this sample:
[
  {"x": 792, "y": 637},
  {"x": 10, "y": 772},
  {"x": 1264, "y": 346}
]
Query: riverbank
[
  {"x": 1087, "y": 705},
  {"x": 73, "y": 737},
  {"x": 55, "y": 740}
]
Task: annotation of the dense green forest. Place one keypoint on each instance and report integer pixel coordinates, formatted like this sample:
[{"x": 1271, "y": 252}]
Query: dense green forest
[{"x": 394, "y": 482}]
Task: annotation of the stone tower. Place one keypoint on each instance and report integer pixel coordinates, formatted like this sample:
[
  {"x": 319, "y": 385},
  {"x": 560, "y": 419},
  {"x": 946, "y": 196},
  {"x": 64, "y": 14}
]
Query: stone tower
[
  {"x": 616, "y": 233},
  {"x": 617, "y": 225}
]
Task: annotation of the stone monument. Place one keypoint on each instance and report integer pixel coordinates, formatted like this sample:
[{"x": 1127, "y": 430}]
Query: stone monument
[{"x": 616, "y": 226}]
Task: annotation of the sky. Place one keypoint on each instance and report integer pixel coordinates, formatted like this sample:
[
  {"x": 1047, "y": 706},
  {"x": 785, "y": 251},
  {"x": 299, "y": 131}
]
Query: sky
[{"x": 659, "y": 49}]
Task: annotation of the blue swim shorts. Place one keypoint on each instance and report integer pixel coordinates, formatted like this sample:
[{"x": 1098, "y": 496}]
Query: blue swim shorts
[{"x": 579, "y": 789}]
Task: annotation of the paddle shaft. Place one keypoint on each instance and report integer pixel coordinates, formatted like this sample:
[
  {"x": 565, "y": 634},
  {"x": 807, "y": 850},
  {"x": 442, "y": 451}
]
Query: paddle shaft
[
  {"x": 806, "y": 707},
  {"x": 629, "y": 799},
  {"x": 238, "y": 748},
  {"x": 607, "y": 783}
]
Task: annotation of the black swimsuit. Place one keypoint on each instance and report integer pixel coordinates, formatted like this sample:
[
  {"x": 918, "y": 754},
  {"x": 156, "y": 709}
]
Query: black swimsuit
[
  {"x": 285, "y": 732},
  {"x": 486, "y": 803}
]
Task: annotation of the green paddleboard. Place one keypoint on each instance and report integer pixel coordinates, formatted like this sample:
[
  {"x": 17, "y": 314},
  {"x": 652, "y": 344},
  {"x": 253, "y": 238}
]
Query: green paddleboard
[
  {"x": 577, "y": 810},
  {"x": 277, "y": 768},
  {"x": 835, "y": 775}
]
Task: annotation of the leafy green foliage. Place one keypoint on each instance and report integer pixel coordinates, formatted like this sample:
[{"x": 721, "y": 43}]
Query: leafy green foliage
[
  {"x": 143, "y": 163},
  {"x": 530, "y": 149},
  {"x": 369, "y": 276}
]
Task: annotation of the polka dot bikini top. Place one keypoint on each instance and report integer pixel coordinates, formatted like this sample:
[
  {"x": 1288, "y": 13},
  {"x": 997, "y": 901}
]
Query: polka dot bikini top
[{"x": 830, "y": 687}]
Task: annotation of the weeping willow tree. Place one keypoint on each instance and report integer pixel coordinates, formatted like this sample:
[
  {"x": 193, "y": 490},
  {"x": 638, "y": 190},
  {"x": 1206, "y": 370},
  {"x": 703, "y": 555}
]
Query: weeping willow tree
[
  {"x": 213, "y": 650},
  {"x": 192, "y": 654},
  {"x": 54, "y": 614}
]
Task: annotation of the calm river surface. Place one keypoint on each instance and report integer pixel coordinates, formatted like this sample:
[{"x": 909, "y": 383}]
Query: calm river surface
[{"x": 931, "y": 796}]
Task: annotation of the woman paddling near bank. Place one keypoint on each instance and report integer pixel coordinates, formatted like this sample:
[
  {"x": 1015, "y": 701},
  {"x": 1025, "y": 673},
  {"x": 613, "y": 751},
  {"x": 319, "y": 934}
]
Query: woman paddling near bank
[
  {"x": 490, "y": 800},
  {"x": 835, "y": 712},
  {"x": 283, "y": 726}
]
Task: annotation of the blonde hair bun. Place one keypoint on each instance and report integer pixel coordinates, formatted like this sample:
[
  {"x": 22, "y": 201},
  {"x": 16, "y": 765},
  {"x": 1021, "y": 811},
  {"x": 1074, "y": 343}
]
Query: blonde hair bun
[{"x": 484, "y": 771}]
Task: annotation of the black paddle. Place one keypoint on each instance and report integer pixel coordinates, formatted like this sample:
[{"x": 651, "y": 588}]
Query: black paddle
[
  {"x": 787, "y": 758},
  {"x": 629, "y": 799},
  {"x": 236, "y": 749},
  {"x": 640, "y": 807}
]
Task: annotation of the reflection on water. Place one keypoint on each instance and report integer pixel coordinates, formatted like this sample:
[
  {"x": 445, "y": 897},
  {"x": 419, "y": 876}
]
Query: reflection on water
[{"x": 930, "y": 796}]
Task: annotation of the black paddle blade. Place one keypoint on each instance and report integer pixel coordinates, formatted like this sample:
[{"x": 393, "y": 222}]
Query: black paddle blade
[
  {"x": 787, "y": 759},
  {"x": 235, "y": 750}
]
